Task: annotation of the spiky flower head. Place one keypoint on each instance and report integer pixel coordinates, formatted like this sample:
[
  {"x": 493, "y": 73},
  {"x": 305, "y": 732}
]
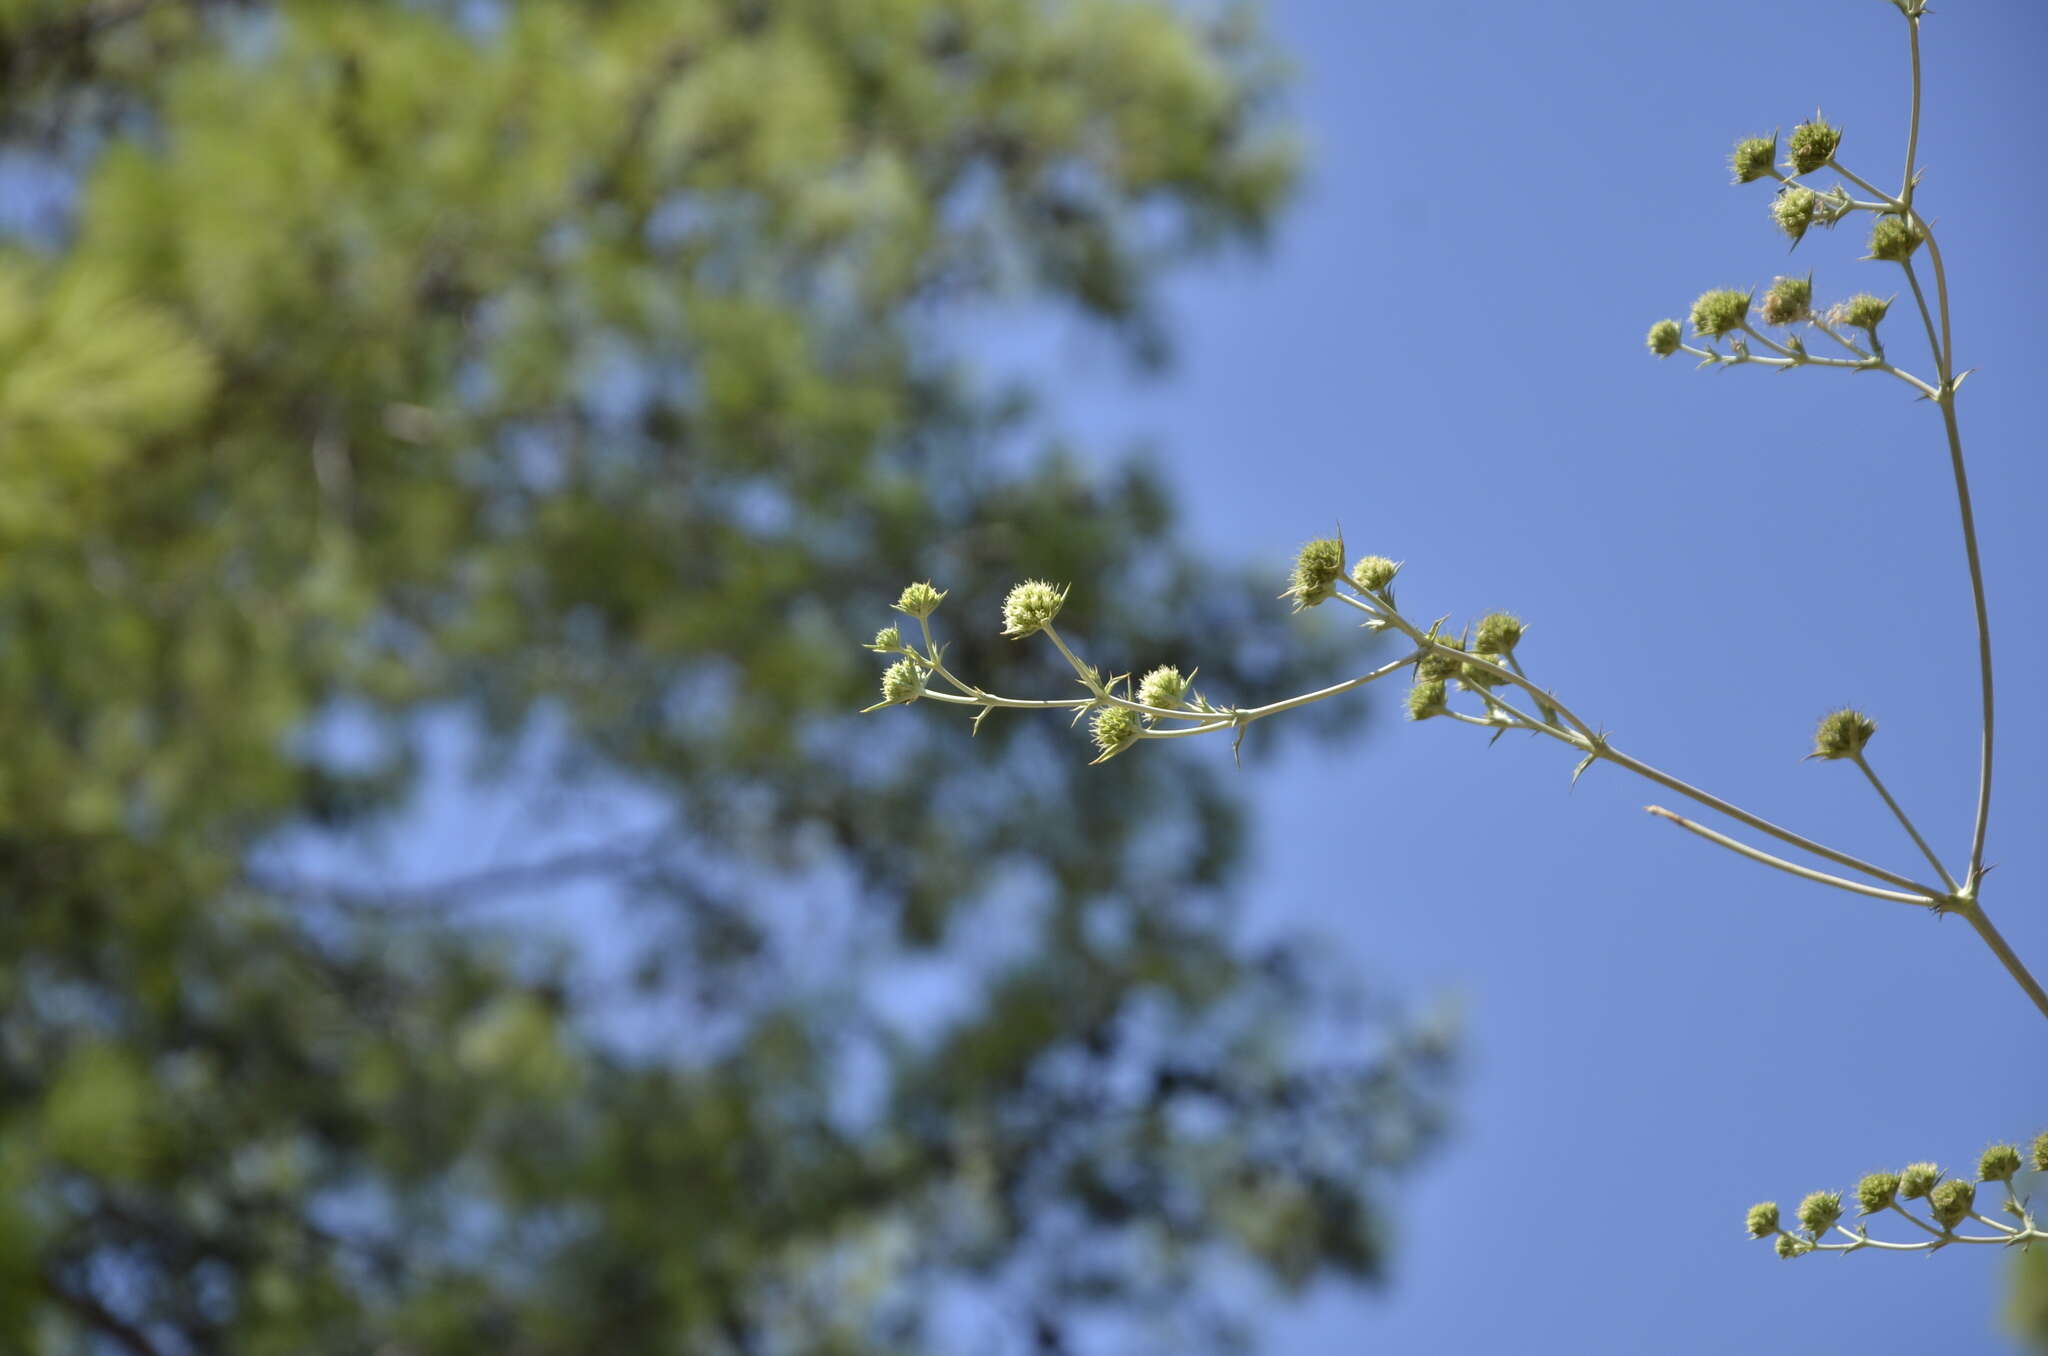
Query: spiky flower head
[
  {"x": 1917, "y": 1180},
  {"x": 920, "y": 600},
  {"x": 1473, "y": 678},
  {"x": 1497, "y": 633},
  {"x": 1999, "y": 1163},
  {"x": 1862, "y": 310},
  {"x": 1790, "y": 1247},
  {"x": 1115, "y": 729},
  {"x": 2038, "y": 1154},
  {"x": 1163, "y": 687},
  {"x": 1893, "y": 240},
  {"x": 1789, "y": 301},
  {"x": 1793, "y": 210},
  {"x": 887, "y": 640},
  {"x": 1664, "y": 338},
  {"x": 902, "y": 681},
  {"x": 1435, "y": 666},
  {"x": 1426, "y": 700},
  {"x": 1819, "y": 1211},
  {"x": 1763, "y": 1219},
  {"x": 1030, "y": 606},
  {"x": 1317, "y": 568},
  {"x": 1875, "y": 1191},
  {"x": 1716, "y": 313},
  {"x": 1374, "y": 573},
  {"x": 1951, "y": 1201},
  {"x": 1842, "y": 734},
  {"x": 1811, "y": 145},
  {"x": 1752, "y": 157}
]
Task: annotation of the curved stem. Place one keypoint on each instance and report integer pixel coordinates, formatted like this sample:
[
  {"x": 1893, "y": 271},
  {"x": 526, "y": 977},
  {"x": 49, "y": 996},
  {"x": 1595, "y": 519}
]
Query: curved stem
[
  {"x": 1913, "y": 126},
  {"x": 1906, "y": 823},
  {"x": 1793, "y": 868}
]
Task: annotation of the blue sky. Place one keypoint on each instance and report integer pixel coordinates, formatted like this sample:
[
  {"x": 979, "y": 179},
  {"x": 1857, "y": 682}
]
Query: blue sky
[{"x": 1444, "y": 348}]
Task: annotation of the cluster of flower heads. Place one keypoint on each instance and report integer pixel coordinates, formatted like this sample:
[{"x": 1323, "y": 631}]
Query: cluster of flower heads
[{"x": 1950, "y": 1202}]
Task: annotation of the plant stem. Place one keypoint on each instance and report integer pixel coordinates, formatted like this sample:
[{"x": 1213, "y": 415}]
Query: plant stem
[
  {"x": 1974, "y": 911},
  {"x": 1793, "y": 868},
  {"x": 1906, "y": 823}
]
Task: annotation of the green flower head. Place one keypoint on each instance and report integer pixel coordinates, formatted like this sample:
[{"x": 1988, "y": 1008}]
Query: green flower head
[
  {"x": 1842, "y": 734},
  {"x": 1862, "y": 310},
  {"x": 1819, "y": 1211},
  {"x": 1317, "y": 568},
  {"x": 1763, "y": 1219},
  {"x": 1426, "y": 700},
  {"x": 1716, "y": 313},
  {"x": 1893, "y": 240},
  {"x": 1163, "y": 687},
  {"x": 1374, "y": 573},
  {"x": 2038, "y": 1153},
  {"x": 1752, "y": 157},
  {"x": 920, "y": 600},
  {"x": 1875, "y": 1191},
  {"x": 1115, "y": 729},
  {"x": 1790, "y": 1247},
  {"x": 1951, "y": 1202},
  {"x": 1917, "y": 1180},
  {"x": 1030, "y": 607},
  {"x": 1436, "y": 666},
  {"x": 1811, "y": 145},
  {"x": 1998, "y": 1163},
  {"x": 1788, "y": 302},
  {"x": 902, "y": 681},
  {"x": 1497, "y": 633},
  {"x": 1664, "y": 338},
  {"x": 887, "y": 640},
  {"x": 1793, "y": 210}
]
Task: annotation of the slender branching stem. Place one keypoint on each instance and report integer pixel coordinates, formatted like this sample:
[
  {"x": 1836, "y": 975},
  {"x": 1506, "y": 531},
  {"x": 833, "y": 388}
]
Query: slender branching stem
[
  {"x": 1871, "y": 364},
  {"x": 1994, "y": 939},
  {"x": 1885, "y": 201},
  {"x": 1913, "y": 123},
  {"x": 1905, "y": 822},
  {"x": 1793, "y": 868}
]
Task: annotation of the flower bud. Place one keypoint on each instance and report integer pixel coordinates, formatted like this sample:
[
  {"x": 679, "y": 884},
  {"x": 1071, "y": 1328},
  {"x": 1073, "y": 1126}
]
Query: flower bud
[
  {"x": 1030, "y": 606},
  {"x": 1790, "y": 1247},
  {"x": 1862, "y": 310},
  {"x": 1819, "y": 1211},
  {"x": 1788, "y": 302},
  {"x": 1716, "y": 313},
  {"x": 1842, "y": 734},
  {"x": 2039, "y": 1153},
  {"x": 1474, "y": 679},
  {"x": 1793, "y": 210},
  {"x": 1436, "y": 666},
  {"x": 1999, "y": 1163},
  {"x": 1951, "y": 1202},
  {"x": 1115, "y": 729},
  {"x": 1811, "y": 145},
  {"x": 1875, "y": 1191},
  {"x": 1163, "y": 687},
  {"x": 1664, "y": 338},
  {"x": 1752, "y": 157},
  {"x": 1893, "y": 240},
  {"x": 1497, "y": 633},
  {"x": 1917, "y": 1180},
  {"x": 1374, "y": 573},
  {"x": 1426, "y": 700},
  {"x": 886, "y": 640},
  {"x": 1763, "y": 1219},
  {"x": 902, "y": 681},
  {"x": 920, "y": 600},
  {"x": 1317, "y": 568}
]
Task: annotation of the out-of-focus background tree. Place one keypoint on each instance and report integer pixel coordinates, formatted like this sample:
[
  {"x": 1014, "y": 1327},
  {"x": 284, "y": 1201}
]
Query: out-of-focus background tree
[{"x": 569, "y": 386}]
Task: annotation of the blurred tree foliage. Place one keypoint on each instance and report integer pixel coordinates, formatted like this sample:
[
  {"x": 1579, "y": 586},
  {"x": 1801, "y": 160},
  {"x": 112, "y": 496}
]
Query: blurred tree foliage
[{"x": 597, "y": 364}]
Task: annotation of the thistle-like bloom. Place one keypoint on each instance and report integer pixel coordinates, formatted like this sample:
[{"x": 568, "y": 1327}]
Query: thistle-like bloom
[
  {"x": 902, "y": 681},
  {"x": 1752, "y": 158},
  {"x": 1811, "y": 145},
  {"x": 1789, "y": 301},
  {"x": 1819, "y": 1211},
  {"x": 1917, "y": 1180},
  {"x": 1163, "y": 687},
  {"x": 1842, "y": 734},
  {"x": 1893, "y": 240},
  {"x": 887, "y": 639},
  {"x": 1862, "y": 310},
  {"x": 1498, "y": 632},
  {"x": 1317, "y": 568},
  {"x": 1436, "y": 666},
  {"x": 1374, "y": 573},
  {"x": 920, "y": 600},
  {"x": 1952, "y": 1201},
  {"x": 1763, "y": 1219},
  {"x": 1115, "y": 729},
  {"x": 1875, "y": 1192},
  {"x": 1664, "y": 338},
  {"x": 1999, "y": 1163},
  {"x": 1426, "y": 700},
  {"x": 1793, "y": 210},
  {"x": 2039, "y": 1152},
  {"x": 1030, "y": 606},
  {"x": 1716, "y": 313},
  {"x": 1789, "y": 1247}
]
